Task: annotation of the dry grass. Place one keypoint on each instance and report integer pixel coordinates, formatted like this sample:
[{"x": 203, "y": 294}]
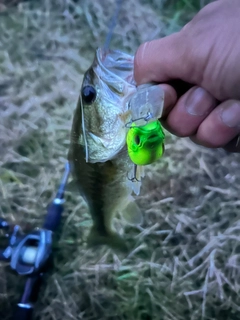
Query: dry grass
[{"x": 185, "y": 265}]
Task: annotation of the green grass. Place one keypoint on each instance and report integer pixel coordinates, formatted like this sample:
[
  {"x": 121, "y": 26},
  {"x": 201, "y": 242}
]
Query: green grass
[{"x": 185, "y": 265}]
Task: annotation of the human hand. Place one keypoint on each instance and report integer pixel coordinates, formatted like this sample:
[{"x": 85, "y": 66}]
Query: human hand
[{"x": 206, "y": 54}]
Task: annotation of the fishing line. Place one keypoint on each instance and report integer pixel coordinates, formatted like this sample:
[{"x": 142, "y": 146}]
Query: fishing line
[
  {"x": 109, "y": 36},
  {"x": 112, "y": 24},
  {"x": 83, "y": 129}
]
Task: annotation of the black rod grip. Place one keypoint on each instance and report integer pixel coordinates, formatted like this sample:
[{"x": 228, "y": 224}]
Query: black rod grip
[
  {"x": 54, "y": 214},
  {"x": 23, "y": 312}
]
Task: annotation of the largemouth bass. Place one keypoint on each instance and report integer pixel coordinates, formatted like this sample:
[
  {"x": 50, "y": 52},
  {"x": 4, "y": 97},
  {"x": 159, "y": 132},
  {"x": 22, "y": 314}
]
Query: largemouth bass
[{"x": 98, "y": 153}]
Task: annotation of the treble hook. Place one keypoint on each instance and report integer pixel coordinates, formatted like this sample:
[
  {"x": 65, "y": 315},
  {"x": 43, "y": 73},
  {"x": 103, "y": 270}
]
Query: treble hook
[{"x": 134, "y": 178}]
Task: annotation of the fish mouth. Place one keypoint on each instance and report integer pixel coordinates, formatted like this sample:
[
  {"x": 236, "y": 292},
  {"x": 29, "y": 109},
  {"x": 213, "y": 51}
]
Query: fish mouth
[{"x": 117, "y": 65}]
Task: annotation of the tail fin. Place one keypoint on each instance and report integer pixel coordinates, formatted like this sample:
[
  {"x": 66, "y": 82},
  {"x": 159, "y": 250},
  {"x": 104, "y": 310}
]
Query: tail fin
[{"x": 112, "y": 239}]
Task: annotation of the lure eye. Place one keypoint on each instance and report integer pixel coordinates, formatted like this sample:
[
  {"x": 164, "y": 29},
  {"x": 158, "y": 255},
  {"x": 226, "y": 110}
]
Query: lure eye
[
  {"x": 89, "y": 94},
  {"x": 137, "y": 139}
]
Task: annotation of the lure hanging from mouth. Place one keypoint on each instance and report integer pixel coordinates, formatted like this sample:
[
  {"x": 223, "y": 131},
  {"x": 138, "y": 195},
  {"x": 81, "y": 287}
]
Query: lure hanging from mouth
[
  {"x": 145, "y": 143},
  {"x": 145, "y": 138}
]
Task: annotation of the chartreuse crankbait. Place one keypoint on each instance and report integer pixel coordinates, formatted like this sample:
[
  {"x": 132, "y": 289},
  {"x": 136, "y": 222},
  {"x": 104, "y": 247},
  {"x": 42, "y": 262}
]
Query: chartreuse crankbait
[
  {"x": 145, "y": 137},
  {"x": 145, "y": 143}
]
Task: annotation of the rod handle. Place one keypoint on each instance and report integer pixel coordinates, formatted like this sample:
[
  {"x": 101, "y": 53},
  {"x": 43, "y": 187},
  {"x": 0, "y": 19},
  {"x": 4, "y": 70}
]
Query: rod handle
[{"x": 23, "y": 312}]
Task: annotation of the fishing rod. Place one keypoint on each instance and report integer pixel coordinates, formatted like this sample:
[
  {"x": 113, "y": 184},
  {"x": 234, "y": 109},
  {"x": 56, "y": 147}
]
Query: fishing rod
[{"x": 30, "y": 254}]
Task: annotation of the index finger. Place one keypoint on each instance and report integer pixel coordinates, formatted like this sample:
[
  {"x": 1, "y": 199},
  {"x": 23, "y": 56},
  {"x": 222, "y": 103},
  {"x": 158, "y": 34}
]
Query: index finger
[{"x": 162, "y": 60}]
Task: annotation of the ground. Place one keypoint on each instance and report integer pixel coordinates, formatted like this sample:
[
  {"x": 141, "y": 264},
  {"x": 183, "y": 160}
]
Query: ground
[{"x": 185, "y": 265}]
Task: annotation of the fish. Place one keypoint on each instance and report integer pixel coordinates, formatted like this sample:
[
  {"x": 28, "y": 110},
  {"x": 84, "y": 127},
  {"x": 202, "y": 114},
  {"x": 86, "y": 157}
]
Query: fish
[{"x": 98, "y": 153}]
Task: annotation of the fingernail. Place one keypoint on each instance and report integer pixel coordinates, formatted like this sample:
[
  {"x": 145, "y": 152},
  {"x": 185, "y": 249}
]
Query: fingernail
[
  {"x": 231, "y": 115},
  {"x": 197, "y": 103}
]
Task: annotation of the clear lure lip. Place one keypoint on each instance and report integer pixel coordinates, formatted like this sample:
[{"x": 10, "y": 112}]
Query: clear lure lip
[{"x": 146, "y": 104}]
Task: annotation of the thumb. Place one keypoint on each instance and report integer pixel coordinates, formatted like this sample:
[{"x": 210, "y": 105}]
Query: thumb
[{"x": 164, "y": 59}]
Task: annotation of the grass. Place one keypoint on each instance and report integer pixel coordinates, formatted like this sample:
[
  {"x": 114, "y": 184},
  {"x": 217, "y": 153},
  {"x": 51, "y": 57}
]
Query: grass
[{"x": 185, "y": 264}]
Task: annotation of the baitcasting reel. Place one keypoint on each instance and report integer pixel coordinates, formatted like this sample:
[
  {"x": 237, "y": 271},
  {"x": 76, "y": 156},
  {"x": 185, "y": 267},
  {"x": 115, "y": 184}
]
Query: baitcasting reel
[{"x": 27, "y": 253}]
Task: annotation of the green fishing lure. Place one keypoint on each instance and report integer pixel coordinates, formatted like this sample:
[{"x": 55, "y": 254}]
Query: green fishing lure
[{"x": 145, "y": 143}]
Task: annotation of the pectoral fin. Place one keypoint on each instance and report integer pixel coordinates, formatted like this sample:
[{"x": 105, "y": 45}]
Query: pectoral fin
[{"x": 132, "y": 214}]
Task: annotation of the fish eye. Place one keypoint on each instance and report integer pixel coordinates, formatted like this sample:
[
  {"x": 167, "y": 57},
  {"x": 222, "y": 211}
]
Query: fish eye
[
  {"x": 89, "y": 94},
  {"x": 137, "y": 139}
]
